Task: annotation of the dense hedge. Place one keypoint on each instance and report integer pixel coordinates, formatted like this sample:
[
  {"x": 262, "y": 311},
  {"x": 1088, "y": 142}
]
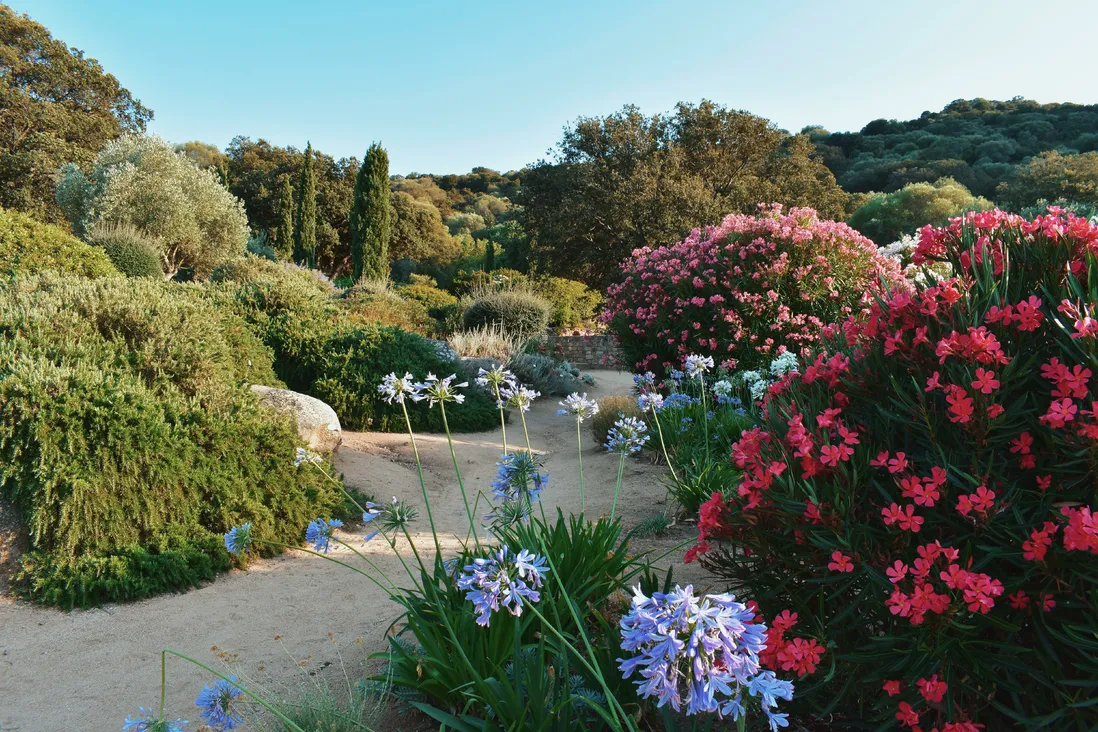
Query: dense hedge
[
  {"x": 28, "y": 247},
  {"x": 321, "y": 350},
  {"x": 131, "y": 252},
  {"x": 129, "y": 442},
  {"x": 522, "y": 315}
]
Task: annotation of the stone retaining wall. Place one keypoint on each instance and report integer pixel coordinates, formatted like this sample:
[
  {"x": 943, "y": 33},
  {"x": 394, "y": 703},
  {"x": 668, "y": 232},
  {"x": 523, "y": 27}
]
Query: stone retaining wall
[{"x": 596, "y": 351}]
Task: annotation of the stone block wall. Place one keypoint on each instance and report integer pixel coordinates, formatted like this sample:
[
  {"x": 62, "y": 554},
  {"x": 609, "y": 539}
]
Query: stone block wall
[{"x": 586, "y": 352}]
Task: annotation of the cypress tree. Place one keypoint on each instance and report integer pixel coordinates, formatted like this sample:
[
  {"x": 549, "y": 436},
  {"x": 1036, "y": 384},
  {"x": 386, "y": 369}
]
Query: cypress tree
[
  {"x": 284, "y": 234},
  {"x": 370, "y": 218},
  {"x": 305, "y": 231},
  {"x": 490, "y": 256}
]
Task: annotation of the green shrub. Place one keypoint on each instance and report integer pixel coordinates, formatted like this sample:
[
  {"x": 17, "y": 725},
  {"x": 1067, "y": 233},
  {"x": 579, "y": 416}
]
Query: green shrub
[
  {"x": 611, "y": 409},
  {"x": 546, "y": 375},
  {"x": 253, "y": 270},
  {"x": 131, "y": 252},
  {"x": 571, "y": 303},
  {"x": 523, "y": 315},
  {"x": 435, "y": 300},
  {"x": 129, "y": 443},
  {"x": 28, "y": 247},
  {"x": 260, "y": 246},
  {"x": 374, "y": 303}
]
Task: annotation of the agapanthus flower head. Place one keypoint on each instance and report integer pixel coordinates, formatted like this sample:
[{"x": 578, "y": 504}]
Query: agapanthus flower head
[
  {"x": 704, "y": 649},
  {"x": 645, "y": 381},
  {"x": 723, "y": 388},
  {"x": 218, "y": 703},
  {"x": 497, "y": 378},
  {"x": 579, "y": 407},
  {"x": 518, "y": 481},
  {"x": 436, "y": 390},
  {"x": 697, "y": 366},
  {"x": 676, "y": 375},
  {"x": 627, "y": 435},
  {"x": 148, "y": 723},
  {"x": 391, "y": 516},
  {"x": 319, "y": 533},
  {"x": 650, "y": 400},
  {"x": 395, "y": 389},
  {"x": 784, "y": 364},
  {"x": 306, "y": 456},
  {"x": 520, "y": 397},
  {"x": 504, "y": 580},
  {"x": 239, "y": 538}
]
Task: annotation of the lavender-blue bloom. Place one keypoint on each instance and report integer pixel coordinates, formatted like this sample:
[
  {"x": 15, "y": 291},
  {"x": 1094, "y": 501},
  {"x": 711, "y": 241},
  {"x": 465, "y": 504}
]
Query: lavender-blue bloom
[
  {"x": 679, "y": 401},
  {"x": 517, "y": 478},
  {"x": 319, "y": 533},
  {"x": 704, "y": 649},
  {"x": 650, "y": 400},
  {"x": 644, "y": 381},
  {"x": 238, "y": 539},
  {"x": 148, "y": 723},
  {"x": 627, "y": 435},
  {"x": 502, "y": 580},
  {"x": 218, "y": 704}
]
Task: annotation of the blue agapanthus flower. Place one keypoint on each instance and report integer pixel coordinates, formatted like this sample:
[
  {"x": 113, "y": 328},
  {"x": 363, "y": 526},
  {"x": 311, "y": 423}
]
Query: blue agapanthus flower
[
  {"x": 238, "y": 538},
  {"x": 218, "y": 703},
  {"x": 518, "y": 483},
  {"x": 679, "y": 401},
  {"x": 149, "y": 723},
  {"x": 676, "y": 375},
  {"x": 704, "y": 651},
  {"x": 627, "y": 435},
  {"x": 650, "y": 400},
  {"x": 319, "y": 533},
  {"x": 504, "y": 580},
  {"x": 645, "y": 381}
]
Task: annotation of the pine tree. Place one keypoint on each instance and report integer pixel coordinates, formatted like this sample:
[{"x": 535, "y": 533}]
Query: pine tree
[
  {"x": 305, "y": 233},
  {"x": 370, "y": 218},
  {"x": 490, "y": 256},
  {"x": 284, "y": 234}
]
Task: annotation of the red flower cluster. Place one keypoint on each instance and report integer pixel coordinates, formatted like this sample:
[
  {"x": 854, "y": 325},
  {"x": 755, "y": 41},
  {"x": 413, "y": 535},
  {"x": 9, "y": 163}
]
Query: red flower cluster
[
  {"x": 944, "y": 445},
  {"x": 801, "y": 655}
]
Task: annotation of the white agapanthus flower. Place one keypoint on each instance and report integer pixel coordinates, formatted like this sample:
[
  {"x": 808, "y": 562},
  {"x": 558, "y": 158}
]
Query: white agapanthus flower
[
  {"x": 723, "y": 388},
  {"x": 306, "y": 456},
  {"x": 395, "y": 389},
  {"x": 784, "y": 363},
  {"x": 650, "y": 400},
  {"x": 578, "y": 406},
  {"x": 757, "y": 384},
  {"x": 518, "y": 397},
  {"x": 436, "y": 390},
  {"x": 697, "y": 365},
  {"x": 498, "y": 378}
]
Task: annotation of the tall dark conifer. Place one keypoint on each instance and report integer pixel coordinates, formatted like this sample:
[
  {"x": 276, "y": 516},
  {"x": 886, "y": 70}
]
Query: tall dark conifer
[
  {"x": 371, "y": 216},
  {"x": 284, "y": 234},
  {"x": 305, "y": 231}
]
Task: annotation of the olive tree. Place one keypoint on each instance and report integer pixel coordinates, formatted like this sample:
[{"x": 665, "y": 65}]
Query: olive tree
[{"x": 141, "y": 181}]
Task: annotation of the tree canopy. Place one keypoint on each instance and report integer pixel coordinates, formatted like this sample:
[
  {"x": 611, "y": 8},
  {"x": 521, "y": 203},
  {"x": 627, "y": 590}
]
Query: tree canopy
[
  {"x": 628, "y": 180},
  {"x": 886, "y": 217},
  {"x": 57, "y": 106},
  {"x": 977, "y": 142}
]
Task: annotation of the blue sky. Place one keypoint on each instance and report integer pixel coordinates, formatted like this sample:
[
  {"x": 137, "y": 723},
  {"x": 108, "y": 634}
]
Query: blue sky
[{"x": 447, "y": 86}]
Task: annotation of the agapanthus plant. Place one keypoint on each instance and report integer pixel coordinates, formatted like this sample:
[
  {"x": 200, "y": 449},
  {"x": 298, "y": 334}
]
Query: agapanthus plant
[
  {"x": 218, "y": 704},
  {"x": 504, "y": 580},
  {"x": 703, "y": 651}
]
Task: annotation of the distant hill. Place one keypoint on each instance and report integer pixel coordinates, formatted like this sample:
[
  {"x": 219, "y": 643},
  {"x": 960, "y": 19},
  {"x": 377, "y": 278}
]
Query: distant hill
[{"x": 978, "y": 142}]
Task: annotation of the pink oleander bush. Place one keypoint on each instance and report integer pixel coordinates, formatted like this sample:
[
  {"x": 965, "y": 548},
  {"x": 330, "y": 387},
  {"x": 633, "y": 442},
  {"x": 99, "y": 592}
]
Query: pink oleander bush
[
  {"x": 921, "y": 495},
  {"x": 743, "y": 291}
]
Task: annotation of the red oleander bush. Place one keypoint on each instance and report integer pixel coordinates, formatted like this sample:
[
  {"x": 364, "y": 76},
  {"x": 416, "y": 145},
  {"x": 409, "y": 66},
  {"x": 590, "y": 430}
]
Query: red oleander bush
[
  {"x": 741, "y": 291},
  {"x": 921, "y": 495}
]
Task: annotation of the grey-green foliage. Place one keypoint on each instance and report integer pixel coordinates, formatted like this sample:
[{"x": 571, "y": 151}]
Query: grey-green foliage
[
  {"x": 545, "y": 375},
  {"x": 260, "y": 246},
  {"x": 371, "y": 216},
  {"x": 522, "y": 315},
  {"x": 143, "y": 182},
  {"x": 132, "y": 252}
]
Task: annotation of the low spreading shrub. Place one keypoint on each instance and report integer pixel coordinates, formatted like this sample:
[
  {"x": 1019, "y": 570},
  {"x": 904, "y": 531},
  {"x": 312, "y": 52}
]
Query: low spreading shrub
[
  {"x": 129, "y": 440},
  {"x": 131, "y": 252},
  {"x": 522, "y": 315},
  {"x": 918, "y": 500},
  {"x": 742, "y": 291},
  {"x": 28, "y": 247},
  {"x": 435, "y": 300},
  {"x": 487, "y": 342},
  {"x": 390, "y": 309},
  {"x": 546, "y": 375}
]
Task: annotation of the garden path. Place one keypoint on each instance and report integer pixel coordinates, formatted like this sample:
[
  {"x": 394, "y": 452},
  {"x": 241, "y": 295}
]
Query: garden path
[{"x": 87, "y": 670}]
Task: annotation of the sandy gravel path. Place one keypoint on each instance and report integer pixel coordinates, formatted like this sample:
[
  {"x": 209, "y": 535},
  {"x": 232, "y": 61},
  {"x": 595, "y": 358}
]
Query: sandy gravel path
[{"x": 64, "y": 672}]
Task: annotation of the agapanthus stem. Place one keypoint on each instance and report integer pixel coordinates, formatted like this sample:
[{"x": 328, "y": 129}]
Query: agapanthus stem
[
  {"x": 666, "y": 456},
  {"x": 373, "y": 566},
  {"x": 279, "y": 715},
  {"x": 705, "y": 417},
  {"x": 422, "y": 483},
  {"x": 385, "y": 589},
  {"x": 339, "y": 485},
  {"x": 415, "y": 551},
  {"x": 529, "y": 448},
  {"x": 617, "y": 486},
  {"x": 502, "y": 420},
  {"x": 457, "y": 471},
  {"x": 579, "y": 445}
]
